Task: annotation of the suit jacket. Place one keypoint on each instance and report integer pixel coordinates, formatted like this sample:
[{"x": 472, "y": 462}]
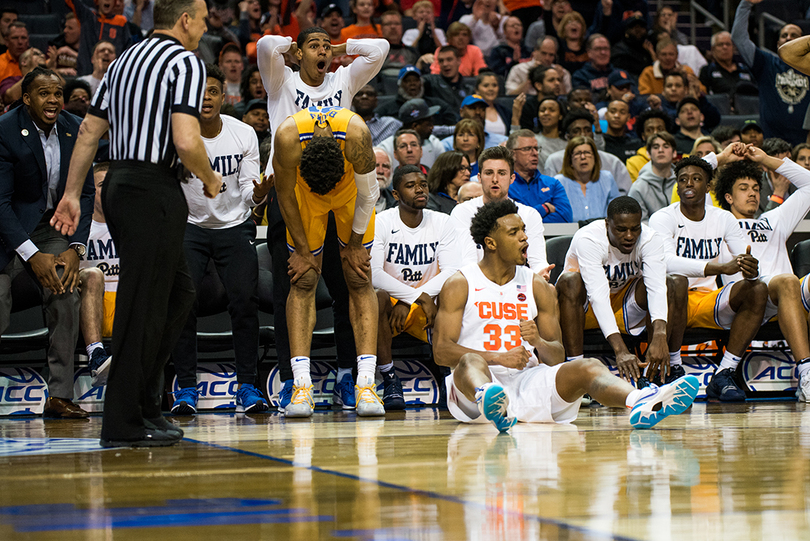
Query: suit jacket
[{"x": 24, "y": 179}]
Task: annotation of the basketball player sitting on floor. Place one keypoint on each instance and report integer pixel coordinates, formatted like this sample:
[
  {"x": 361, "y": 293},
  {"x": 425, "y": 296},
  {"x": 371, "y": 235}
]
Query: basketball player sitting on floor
[{"x": 498, "y": 330}]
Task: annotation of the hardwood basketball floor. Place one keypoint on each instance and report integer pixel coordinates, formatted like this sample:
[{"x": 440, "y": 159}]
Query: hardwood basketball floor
[{"x": 726, "y": 472}]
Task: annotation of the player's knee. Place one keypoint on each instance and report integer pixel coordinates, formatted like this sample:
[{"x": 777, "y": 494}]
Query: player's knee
[
  {"x": 92, "y": 280},
  {"x": 354, "y": 281},
  {"x": 786, "y": 285},
  {"x": 592, "y": 367},
  {"x": 471, "y": 361},
  {"x": 570, "y": 286},
  {"x": 307, "y": 282}
]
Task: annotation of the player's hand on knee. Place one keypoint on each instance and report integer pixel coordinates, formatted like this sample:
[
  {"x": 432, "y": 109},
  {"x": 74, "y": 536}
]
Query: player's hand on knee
[
  {"x": 429, "y": 308},
  {"x": 628, "y": 365},
  {"x": 298, "y": 265},
  {"x": 516, "y": 357},
  {"x": 399, "y": 314},
  {"x": 357, "y": 258}
]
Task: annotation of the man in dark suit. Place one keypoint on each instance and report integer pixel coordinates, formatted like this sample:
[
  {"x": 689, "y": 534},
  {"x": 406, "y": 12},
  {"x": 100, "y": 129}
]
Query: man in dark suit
[{"x": 36, "y": 142}]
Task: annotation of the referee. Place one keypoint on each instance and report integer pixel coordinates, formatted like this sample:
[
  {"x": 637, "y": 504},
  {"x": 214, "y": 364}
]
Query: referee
[{"x": 150, "y": 100}]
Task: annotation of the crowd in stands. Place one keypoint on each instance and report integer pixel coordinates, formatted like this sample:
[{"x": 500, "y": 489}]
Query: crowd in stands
[{"x": 593, "y": 100}]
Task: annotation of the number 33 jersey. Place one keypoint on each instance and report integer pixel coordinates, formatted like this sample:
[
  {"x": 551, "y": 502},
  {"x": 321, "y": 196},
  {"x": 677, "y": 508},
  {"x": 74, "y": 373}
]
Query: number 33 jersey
[{"x": 492, "y": 315}]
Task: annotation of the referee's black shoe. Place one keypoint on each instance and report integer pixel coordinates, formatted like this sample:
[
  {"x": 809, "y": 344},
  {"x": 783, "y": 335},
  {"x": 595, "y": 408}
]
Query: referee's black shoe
[{"x": 152, "y": 438}]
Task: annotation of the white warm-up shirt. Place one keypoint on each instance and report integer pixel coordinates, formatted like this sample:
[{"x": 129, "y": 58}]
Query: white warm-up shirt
[
  {"x": 689, "y": 246},
  {"x": 287, "y": 93},
  {"x": 606, "y": 270},
  {"x": 101, "y": 253},
  {"x": 768, "y": 234},
  {"x": 406, "y": 262},
  {"x": 468, "y": 252},
  {"x": 234, "y": 153}
]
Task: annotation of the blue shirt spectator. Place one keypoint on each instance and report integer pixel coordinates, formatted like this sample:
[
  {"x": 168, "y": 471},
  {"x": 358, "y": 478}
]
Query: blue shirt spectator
[{"x": 592, "y": 204}]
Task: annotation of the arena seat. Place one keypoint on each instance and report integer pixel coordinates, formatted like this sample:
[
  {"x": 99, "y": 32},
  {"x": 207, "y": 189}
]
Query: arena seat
[
  {"x": 41, "y": 41},
  {"x": 50, "y": 23},
  {"x": 737, "y": 121},
  {"x": 556, "y": 248},
  {"x": 800, "y": 258},
  {"x": 746, "y": 105},
  {"x": 721, "y": 101}
]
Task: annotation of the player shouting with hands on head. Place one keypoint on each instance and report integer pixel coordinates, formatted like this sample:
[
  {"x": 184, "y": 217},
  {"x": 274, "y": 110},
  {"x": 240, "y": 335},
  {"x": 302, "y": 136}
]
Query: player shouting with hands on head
[{"x": 498, "y": 329}]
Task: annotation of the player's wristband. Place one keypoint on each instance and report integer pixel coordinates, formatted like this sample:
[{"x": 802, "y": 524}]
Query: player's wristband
[{"x": 776, "y": 199}]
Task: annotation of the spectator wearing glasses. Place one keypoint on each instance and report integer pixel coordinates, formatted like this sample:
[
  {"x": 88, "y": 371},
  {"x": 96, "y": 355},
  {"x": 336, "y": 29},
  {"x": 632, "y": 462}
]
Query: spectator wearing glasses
[
  {"x": 408, "y": 149},
  {"x": 399, "y": 54},
  {"x": 449, "y": 173},
  {"x": 364, "y": 104},
  {"x": 77, "y": 98},
  {"x": 11, "y": 87},
  {"x": 722, "y": 75},
  {"x": 589, "y": 188},
  {"x": 530, "y": 186}
]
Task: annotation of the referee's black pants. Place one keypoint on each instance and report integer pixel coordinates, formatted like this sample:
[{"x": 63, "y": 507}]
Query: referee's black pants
[
  {"x": 234, "y": 253},
  {"x": 146, "y": 213}
]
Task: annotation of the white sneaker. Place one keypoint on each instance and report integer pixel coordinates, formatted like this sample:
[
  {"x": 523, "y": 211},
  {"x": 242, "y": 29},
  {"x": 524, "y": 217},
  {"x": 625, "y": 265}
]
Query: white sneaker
[
  {"x": 301, "y": 404},
  {"x": 803, "y": 389},
  {"x": 368, "y": 403}
]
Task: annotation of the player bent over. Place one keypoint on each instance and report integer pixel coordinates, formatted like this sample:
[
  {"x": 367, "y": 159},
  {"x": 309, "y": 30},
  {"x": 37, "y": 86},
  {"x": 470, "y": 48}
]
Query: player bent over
[
  {"x": 323, "y": 162},
  {"x": 498, "y": 330},
  {"x": 616, "y": 279}
]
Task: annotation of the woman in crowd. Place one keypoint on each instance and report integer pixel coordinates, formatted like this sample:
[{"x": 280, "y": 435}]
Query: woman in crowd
[
  {"x": 550, "y": 113},
  {"x": 801, "y": 155},
  {"x": 705, "y": 145},
  {"x": 572, "y": 53},
  {"x": 469, "y": 139},
  {"x": 499, "y": 117},
  {"x": 472, "y": 59},
  {"x": 450, "y": 171},
  {"x": 589, "y": 188},
  {"x": 363, "y": 26}
]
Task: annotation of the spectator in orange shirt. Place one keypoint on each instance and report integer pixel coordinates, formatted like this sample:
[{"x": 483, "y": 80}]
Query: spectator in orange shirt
[
  {"x": 17, "y": 42},
  {"x": 363, "y": 27},
  {"x": 472, "y": 59}
]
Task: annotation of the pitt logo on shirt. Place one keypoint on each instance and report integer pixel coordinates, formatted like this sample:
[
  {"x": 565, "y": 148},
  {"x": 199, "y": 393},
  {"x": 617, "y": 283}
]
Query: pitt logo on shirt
[
  {"x": 502, "y": 310},
  {"x": 698, "y": 249}
]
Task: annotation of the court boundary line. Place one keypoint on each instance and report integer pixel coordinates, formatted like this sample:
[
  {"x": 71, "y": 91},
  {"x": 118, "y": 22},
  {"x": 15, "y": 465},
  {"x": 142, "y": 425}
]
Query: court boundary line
[{"x": 419, "y": 492}]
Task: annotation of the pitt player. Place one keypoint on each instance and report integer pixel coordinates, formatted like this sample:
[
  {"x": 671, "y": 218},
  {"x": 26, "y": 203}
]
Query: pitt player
[
  {"x": 498, "y": 330},
  {"x": 737, "y": 188},
  {"x": 290, "y": 91},
  {"x": 324, "y": 162},
  {"x": 615, "y": 274},
  {"x": 405, "y": 265},
  {"x": 694, "y": 235}
]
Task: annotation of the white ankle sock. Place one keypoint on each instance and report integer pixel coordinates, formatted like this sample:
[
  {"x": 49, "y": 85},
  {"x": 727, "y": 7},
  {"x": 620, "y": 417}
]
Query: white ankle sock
[
  {"x": 300, "y": 369},
  {"x": 574, "y": 358},
  {"x": 92, "y": 347},
  {"x": 675, "y": 358},
  {"x": 803, "y": 368},
  {"x": 633, "y": 397},
  {"x": 387, "y": 367},
  {"x": 342, "y": 372},
  {"x": 729, "y": 361},
  {"x": 366, "y": 369}
]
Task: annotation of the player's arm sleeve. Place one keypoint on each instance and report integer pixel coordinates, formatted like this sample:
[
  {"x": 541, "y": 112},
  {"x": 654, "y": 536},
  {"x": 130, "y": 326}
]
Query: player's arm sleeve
[
  {"x": 654, "y": 270},
  {"x": 795, "y": 207},
  {"x": 739, "y": 33},
  {"x": 381, "y": 279},
  {"x": 596, "y": 284},
  {"x": 249, "y": 168},
  {"x": 711, "y": 158},
  {"x": 270, "y": 55},
  {"x": 537, "y": 241},
  {"x": 691, "y": 268},
  {"x": 733, "y": 235},
  {"x": 371, "y": 55}
]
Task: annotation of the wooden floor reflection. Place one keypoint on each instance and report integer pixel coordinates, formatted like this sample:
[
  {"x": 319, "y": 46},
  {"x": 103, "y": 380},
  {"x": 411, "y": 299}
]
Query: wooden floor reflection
[{"x": 730, "y": 472}]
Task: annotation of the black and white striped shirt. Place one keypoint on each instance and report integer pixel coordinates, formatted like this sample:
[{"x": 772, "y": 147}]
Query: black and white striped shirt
[{"x": 140, "y": 91}]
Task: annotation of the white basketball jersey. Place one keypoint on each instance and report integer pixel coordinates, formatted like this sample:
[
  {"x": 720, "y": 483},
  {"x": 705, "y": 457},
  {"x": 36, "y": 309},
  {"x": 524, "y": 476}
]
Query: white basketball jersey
[
  {"x": 492, "y": 315},
  {"x": 101, "y": 253}
]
